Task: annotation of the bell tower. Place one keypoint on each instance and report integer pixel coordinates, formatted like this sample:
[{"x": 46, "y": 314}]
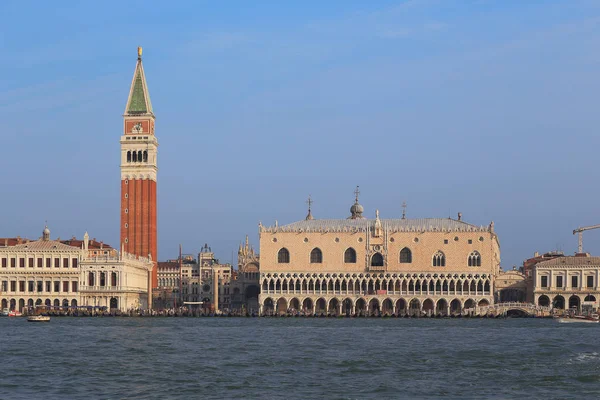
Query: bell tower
[{"x": 138, "y": 172}]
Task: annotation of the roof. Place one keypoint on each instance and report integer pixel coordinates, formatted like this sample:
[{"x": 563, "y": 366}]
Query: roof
[
  {"x": 92, "y": 244},
  {"x": 396, "y": 225},
  {"x": 44, "y": 245},
  {"x": 138, "y": 101},
  {"x": 570, "y": 261}
]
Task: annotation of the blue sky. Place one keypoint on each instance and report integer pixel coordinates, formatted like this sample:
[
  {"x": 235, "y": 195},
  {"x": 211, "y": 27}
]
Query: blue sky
[{"x": 484, "y": 107}]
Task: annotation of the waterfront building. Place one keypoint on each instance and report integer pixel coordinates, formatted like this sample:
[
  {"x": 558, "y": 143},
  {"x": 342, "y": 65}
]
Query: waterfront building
[
  {"x": 169, "y": 284},
  {"x": 39, "y": 272},
  {"x": 139, "y": 167},
  {"x": 567, "y": 281},
  {"x": 244, "y": 286},
  {"x": 370, "y": 266}
]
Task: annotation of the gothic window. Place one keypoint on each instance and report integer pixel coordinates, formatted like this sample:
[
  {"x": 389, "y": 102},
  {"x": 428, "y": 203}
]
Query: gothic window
[
  {"x": 439, "y": 259},
  {"x": 145, "y": 156},
  {"x": 134, "y": 156},
  {"x": 129, "y": 156},
  {"x": 283, "y": 257},
  {"x": 377, "y": 260},
  {"x": 474, "y": 259},
  {"x": 316, "y": 256},
  {"x": 140, "y": 156},
  {"x": 350, "y": 256},
  {"x": 405, "y": 256}
]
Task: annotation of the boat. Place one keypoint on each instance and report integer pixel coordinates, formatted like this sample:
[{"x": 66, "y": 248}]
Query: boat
[
  {"x": 14, "y": 313},
  {"x": 5, "y": 312},
  {"x": 38, "y": 318},
  {"x": 579, "y": 319}
]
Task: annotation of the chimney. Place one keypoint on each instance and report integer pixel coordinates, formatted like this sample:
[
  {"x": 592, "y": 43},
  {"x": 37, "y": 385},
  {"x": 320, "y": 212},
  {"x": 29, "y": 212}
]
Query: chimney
[{"x": 459, "y": 216}]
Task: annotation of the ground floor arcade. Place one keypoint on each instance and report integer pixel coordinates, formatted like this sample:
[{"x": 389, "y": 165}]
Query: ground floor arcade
[
  {"x": 562, "y": 300},
  {"x": 370, "y": 305},
  {"x": 22, "y": 303}
]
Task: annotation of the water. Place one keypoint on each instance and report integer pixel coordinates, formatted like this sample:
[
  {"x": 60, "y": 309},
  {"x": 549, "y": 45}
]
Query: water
[{"x": 297, "y": 358}]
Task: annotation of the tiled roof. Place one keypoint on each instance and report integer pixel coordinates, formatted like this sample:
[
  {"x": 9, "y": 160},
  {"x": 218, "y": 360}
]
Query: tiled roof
[
  {"x": 570, "y": 260},
  {"x": 401, "y": 225},
  {"x": 92, "y": 244},
  {"x": 45, "y": 245}
]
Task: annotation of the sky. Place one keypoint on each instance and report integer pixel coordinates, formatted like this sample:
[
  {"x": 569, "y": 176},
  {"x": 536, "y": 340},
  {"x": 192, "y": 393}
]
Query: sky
[{"x": 488, "y": 108}]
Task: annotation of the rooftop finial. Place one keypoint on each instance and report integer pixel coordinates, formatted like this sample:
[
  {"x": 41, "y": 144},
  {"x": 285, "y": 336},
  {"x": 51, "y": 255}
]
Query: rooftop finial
[
  {"x": 139, "y": 52},
  {"x": 403, "y": 210},
  {"x": 309, "y": 202},
  {"x": 356, "y": 192}
]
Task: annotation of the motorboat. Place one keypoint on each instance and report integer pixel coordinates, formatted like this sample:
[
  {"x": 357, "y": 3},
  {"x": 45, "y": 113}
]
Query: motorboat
[
  {"x": 579, "y": 319},
  {"x": 15, "y": 313},
  {"x": 38, "y": 318}
]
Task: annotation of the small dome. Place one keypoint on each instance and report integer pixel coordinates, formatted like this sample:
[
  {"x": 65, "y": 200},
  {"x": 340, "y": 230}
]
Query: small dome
[
  {"x": 46, "y": 233},
  {"x": 356, "y": 209}
]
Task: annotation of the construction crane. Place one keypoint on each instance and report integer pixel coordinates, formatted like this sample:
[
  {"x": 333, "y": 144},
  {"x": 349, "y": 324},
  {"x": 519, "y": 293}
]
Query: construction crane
[{"x": 580, "y": 230}]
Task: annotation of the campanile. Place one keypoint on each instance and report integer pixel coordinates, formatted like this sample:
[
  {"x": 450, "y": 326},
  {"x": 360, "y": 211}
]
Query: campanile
[{"x": 138, "y": 172}]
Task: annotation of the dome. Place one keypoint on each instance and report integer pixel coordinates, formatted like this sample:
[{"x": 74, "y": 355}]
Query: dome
[
  {"x": 356, "y": 209},
  {"x": 46, "y": 233}
]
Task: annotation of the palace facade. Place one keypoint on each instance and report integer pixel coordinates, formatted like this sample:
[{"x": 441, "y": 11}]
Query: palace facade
[{"x": 371, "y": 266}]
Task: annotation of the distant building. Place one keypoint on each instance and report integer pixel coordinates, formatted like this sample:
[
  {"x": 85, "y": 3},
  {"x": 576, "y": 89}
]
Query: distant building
[
  {"x": 169, "y": 284},
  {"x": 356, "y": 265},
  {"x": 245, "y": 286},
  {"x": 567, "y": 281}
]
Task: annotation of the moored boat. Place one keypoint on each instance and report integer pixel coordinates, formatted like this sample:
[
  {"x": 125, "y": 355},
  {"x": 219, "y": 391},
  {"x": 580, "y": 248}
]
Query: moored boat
[
  {"x": 38, "y": 318},
  {"x": 575, "y": 319},
  {"x": 15, "y": 313}
]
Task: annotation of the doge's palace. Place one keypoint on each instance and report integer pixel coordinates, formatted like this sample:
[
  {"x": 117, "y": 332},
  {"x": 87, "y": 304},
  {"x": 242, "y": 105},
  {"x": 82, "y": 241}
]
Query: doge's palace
[{"x": 362, "y": 266}]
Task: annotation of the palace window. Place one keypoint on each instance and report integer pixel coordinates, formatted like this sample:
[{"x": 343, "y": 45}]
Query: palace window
[
  {"x": 102, "y": 279},
  {"x": 56, "y": 262},
  {"x": 140, "y": 156},
  {"x": 283, "y": 257},
  {"x": 590, "y": 281},
  {"x": 574, "y": 281},
  {"x": 316, "y": 256},
  {"x": 65, "y": 286},
  {"x": 113, "y": 279},
  {"x": 91, "y": 280},
  {"x": 48, "y": 262},
  {"x": 30, "y": 286},
  {"x": 5, "y": 286},
  {"x": 145, "y": 156},
  {"x": 405, "y": 256},
  {"x": 13, "y": 262},
  {"x": 439, "y": 259},
  {"x": 30, "y": 262},
  {"x": 40, "y": 262},
  {"x": 65, "y": 263},
  {"x": 13, "y": 286},
  {"x": 559, "y": 281},
  {"x": 134, "y": 156},
  {"x": 474, "y": 259},
  {"x": 350, "y": 256},
  {"x": 48, "y": 286},
  {"x": 544, "y": 281},
  {"x": 74, "y": 263},
  {"x": 128, "y": 155},
  {"x": 22, "y": 262},
  {"x": 377, "y": 260},
  {"x": 56, "y": 286},
  {"x": 21, "y": 286},
  {"x": 4, "y": 263},
  {"x": 40, "y": 286},
  {"x": 74, "y": 286}
]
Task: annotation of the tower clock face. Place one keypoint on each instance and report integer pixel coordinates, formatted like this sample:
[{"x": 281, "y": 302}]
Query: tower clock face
[{"x": 137, "y": 128}]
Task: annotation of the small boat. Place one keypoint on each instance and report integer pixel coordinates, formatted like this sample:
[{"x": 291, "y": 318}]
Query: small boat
[
  {"x": 38, "y": 318},
  {"x": 577, "y": 319},
  {"x": 14, "y": 313}
]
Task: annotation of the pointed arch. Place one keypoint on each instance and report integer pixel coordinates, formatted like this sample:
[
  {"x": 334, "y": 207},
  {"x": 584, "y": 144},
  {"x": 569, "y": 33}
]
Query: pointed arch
[
  {"x": 377, "y": 260},
  {"x": 350, "y": 256},
  {"x": 283, "y": 256},
  {"x": 316, "y": 256},
  {"x": 405, "y": 256},
  {"x": 474, "y": 259},
  {"x": 439, "y": 259}
]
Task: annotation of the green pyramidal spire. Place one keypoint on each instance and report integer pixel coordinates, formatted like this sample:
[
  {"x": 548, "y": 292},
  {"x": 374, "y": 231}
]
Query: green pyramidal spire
[{"x": 139, "y": 97}]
